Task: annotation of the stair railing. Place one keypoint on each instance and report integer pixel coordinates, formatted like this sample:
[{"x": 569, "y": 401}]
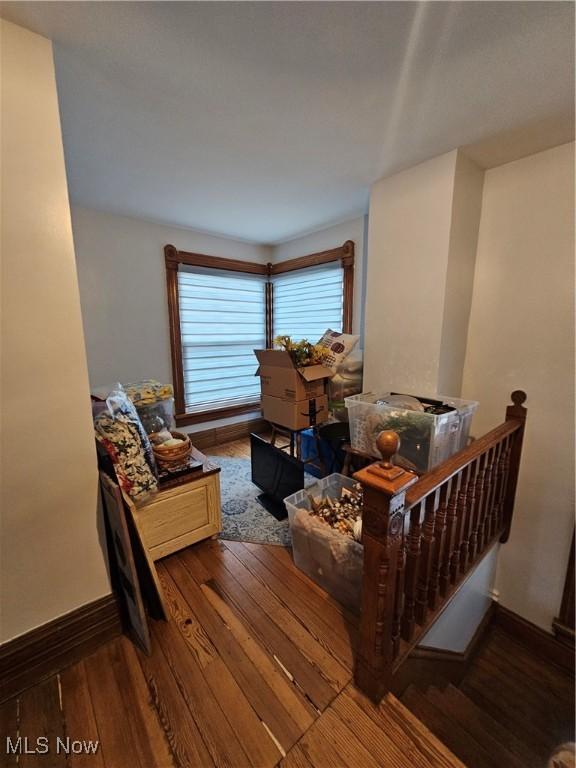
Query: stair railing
[{"x": 423, "y": 536}]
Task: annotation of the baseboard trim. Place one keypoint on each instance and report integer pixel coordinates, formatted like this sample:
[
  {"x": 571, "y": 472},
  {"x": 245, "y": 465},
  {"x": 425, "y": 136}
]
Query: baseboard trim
[
  {"x": 226, "y": 434},
  {"x": 536, "y": 639},
  {"x": 46, "y": 650},
  {"x": 564, "y": 633}
]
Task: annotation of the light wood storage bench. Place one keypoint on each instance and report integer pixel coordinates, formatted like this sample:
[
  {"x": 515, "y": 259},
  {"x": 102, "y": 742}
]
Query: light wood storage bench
[{"x": 181, "y": 515}]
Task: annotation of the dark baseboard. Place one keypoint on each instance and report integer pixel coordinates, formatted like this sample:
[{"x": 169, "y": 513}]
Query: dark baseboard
[
  {"x": 564, "y": 633},
  {"x": 46, "y": 650},
  {"x": 534, "y": 638},
  {"x": 218, "y": 435},
  {"x": 435, "y": 666}
]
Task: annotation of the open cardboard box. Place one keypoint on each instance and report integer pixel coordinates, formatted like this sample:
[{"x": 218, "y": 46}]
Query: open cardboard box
[{"x": 279, "y": 377}]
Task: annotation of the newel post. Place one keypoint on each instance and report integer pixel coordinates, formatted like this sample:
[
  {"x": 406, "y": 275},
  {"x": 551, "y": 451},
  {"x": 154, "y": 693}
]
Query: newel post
[
  {"x": 384, "y": 487},
  {"x": 514, "y": 412}
]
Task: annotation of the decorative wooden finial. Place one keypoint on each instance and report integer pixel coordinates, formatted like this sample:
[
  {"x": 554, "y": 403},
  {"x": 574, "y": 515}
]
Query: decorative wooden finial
[
  {"x": 518, "y": 397},
  {"x": 388, "y": 443},
  {"x": 517, "y": 410},
  {"x": 383, "y": 475}
]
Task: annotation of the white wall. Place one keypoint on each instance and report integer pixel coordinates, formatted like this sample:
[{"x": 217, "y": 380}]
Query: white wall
[
  {"x": 333, "y": 237},
  {"x": 466, "y": 208},
  {"x": 123, "y": 290},
  {"x": 408, "y": 246},
  {"x": 456, "y": 625},
  {"x": 423, "y": 232},
  {"x": 521, "y": 336},
  {"x": 51, "y": 556}
]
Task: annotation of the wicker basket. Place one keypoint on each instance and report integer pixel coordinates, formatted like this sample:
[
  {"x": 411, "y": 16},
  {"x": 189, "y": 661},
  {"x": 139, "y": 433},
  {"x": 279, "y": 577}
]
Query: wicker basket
[{"x": 174, "y": 454}]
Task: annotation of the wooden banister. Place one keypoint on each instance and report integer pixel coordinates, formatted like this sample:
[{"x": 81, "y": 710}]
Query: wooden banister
[
  {"x": 383, "y": 538},
  {"x": 431, "y": 480},
  {"x": 422, "y": 536},
  {"x": 516, "y": 413}
]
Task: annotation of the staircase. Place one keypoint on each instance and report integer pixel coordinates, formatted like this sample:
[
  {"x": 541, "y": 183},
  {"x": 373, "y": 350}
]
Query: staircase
[
  {"x": 512, "y": 708},
  {"x": 424, "y": 536}
]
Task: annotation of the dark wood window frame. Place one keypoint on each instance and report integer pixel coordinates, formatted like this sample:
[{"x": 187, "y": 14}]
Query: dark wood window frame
[{"x": 173, "y": 258}]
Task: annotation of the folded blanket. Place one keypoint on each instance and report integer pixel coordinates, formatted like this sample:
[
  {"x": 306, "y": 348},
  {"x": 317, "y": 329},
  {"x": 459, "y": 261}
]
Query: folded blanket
[{"x": 148, "y": 391}]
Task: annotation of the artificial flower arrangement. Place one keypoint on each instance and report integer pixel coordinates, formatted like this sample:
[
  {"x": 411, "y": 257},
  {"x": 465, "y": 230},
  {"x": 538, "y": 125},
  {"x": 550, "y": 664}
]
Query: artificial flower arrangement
[{"x": 302, "y": 352}]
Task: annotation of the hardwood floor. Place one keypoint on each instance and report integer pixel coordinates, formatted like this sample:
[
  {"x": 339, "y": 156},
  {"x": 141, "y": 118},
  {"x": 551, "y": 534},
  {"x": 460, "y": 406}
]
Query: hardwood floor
[
  {"x": 253, "y": 669},
  {"x": 239, "y": 449}
]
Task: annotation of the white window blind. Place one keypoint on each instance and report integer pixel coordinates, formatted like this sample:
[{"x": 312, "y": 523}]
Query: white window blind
[
  {"x": 308, "y": 301},
  {"x": 222, "y": 322}
]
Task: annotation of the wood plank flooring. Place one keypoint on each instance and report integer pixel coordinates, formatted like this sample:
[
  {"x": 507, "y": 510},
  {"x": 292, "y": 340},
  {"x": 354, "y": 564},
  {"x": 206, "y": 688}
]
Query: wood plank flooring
[
  {"x": 239, "y": 449},
  {"x": 253, "y": 670}
]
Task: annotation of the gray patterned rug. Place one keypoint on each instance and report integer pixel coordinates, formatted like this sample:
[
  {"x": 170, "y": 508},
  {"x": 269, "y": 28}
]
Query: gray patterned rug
[{"x": 243, "y": 517}]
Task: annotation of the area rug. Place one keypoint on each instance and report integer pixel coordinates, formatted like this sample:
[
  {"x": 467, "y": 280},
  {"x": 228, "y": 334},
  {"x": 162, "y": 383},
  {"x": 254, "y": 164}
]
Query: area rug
[{"x": 243, "y": 517}]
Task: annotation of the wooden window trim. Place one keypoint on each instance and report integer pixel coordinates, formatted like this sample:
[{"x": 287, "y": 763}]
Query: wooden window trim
[
  {"x": 186, "y": 419},
  {"x": 175, "y": 335},
  {"x": 344, "y": 253},
  {"x": 173, "y": 258}
]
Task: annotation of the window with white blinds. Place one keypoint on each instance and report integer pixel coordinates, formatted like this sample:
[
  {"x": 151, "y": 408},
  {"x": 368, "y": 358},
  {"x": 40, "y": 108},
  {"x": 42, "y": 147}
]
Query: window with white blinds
[
  {"x": 222, "y": 322},
  {"x": 308, "y": 301}
]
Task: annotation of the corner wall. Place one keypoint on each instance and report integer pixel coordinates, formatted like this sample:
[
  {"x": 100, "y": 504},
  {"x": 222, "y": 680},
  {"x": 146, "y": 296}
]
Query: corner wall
[
  {"x": 52, "y": 556},
  {"x": 521, "y": 336},
  {"x": 408, "y": 241},
  {"x": 465, "y": 223},
  {"x": 471, "y": 280},
  {"x": 123, "y": 290},
  {"x": 422, "y": 247}
]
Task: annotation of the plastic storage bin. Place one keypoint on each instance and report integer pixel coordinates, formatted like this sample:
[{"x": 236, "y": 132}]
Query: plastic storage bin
[
  {"x": 426, "y": 439},
  {"x": 331, "y": 559},
  {"x": 346, "y": 381},
  {"x": 155, "y": 416}
]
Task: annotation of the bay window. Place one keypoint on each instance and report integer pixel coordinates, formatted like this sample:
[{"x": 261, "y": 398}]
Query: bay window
[{"x": 220, "y": 310}]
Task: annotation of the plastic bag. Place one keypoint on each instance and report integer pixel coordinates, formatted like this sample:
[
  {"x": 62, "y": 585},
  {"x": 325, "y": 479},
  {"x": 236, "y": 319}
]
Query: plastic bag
[
  {"x": 120, "y": 439},
  {"x": 119, "y": 404}
]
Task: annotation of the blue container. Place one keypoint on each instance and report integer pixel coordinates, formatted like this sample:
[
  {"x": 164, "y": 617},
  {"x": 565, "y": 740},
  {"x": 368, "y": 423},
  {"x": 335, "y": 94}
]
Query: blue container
[{"x": 330, "y": 452}]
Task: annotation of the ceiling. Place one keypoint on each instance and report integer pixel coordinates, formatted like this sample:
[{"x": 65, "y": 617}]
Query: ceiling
[{"x": 262, "y": 120}]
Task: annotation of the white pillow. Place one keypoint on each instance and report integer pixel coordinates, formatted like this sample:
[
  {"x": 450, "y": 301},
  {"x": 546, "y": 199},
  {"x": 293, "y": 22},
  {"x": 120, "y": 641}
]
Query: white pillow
[{"x": 339, "y": 346}]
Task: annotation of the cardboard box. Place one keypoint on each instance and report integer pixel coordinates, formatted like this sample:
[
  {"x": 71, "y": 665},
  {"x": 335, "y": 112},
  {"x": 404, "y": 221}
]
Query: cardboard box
[
  {"x": 280, "y": 378},
  {"x": 299, "y": 414}
]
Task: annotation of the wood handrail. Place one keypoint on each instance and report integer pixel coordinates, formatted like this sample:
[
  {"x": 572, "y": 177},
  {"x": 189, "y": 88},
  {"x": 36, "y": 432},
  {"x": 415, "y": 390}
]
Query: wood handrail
[
  {"x": 423, "y": 536},
  {"x": 439, "y": 475}
]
